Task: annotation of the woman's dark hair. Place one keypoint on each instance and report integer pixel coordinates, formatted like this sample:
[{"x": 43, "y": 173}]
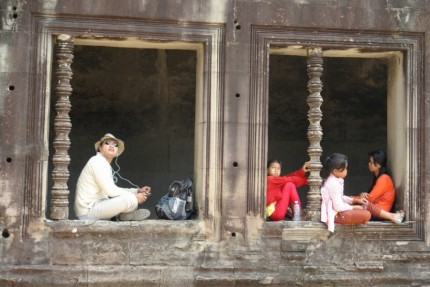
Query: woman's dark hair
[
  {"x": 269, "y": 162},
  {"x": 379, "y": 157},
  {"x": 333, "y": 161}
]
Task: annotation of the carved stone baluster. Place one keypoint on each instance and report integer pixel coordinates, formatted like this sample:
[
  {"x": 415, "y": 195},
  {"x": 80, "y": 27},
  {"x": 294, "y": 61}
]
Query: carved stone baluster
[
  {"x": 62, "y": 127},
  {"x": 314, "y": 100}
]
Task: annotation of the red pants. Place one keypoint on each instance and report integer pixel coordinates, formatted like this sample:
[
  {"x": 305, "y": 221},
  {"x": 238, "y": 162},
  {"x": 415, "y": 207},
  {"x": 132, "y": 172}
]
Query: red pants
[
  {"x": 374, "y": 209},
  {"x": 289, "y": 195},
  {"x": 355, "y": 216}
]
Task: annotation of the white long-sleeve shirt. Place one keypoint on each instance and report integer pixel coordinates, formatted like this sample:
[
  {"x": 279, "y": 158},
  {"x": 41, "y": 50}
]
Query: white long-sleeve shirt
[
  {"x": 95, "y": 184},
  {"x": 333, "y": 200}
]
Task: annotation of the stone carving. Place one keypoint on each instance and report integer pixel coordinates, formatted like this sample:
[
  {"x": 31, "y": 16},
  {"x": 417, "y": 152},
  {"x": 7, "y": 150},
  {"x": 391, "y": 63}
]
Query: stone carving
[
  {"x": 62, "y": 127},
  {"x": 314, "y": 100}
]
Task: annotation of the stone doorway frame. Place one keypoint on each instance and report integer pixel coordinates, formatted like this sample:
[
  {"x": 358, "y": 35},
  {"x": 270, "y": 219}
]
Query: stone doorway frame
[
  {"x": 405, "y": 108},
  {"x": 209, "y": 42}
]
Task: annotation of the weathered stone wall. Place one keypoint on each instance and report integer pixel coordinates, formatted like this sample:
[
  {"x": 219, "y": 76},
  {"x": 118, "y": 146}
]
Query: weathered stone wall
[{"x": 229, "y": 244}]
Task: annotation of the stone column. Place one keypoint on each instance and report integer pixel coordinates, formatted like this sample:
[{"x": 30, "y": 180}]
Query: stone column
[
  {"x": 314, "y": 100},
  {"x": 62, "y": 125}
]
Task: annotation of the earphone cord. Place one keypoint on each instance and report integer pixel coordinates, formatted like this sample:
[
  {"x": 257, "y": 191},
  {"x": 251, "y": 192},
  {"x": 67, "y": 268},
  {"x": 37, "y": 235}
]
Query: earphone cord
[{"x": 116, "y": 172}]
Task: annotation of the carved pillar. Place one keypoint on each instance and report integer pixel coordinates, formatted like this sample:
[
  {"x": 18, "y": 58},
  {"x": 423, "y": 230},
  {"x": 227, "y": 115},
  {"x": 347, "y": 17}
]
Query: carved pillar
[
  {"x": 62, "y": 126},
  {"x": 314, "y": 100}
]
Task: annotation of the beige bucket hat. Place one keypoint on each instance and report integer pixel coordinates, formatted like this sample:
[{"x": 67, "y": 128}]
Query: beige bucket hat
[{"x": 108, "y": 136}]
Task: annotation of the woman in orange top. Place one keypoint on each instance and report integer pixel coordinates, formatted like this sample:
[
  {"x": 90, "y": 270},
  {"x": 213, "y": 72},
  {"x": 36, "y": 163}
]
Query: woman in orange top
[{"x": 381, "y": 192}]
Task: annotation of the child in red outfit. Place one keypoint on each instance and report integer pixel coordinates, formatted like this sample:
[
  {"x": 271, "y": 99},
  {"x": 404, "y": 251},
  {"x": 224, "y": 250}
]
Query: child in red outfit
[{"x": 282, "y": 190}]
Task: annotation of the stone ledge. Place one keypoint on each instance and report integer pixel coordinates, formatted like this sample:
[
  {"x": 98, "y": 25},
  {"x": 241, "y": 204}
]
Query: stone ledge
[
  {"x": 103, "y": 275},
  {"x": 127, "y": 276},
  {"x": 298, "y": 236},
  {"x": 383, "y": 230},
  {"x": 126, "y": 243},
  {"x": 374, "y": 230},
  {"x": 154, "y": 228}
]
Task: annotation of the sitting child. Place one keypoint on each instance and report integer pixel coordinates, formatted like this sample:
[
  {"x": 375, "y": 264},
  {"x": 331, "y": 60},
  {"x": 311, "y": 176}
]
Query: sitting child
[
  {"x": 282, "y": 190},
  {"x": 338, "y": 208}
]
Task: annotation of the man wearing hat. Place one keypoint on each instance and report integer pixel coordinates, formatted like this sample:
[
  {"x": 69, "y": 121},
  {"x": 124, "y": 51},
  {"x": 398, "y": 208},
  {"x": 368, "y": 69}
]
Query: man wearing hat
[{"x": 97, "y": 195}]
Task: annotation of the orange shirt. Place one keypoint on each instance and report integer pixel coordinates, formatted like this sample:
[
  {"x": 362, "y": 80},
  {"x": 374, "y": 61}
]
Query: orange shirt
[{"x": 383, "y": 193}]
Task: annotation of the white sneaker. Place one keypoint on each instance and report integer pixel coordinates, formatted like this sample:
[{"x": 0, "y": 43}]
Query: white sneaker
[
  {"x": 400, "y": 216},
  {"x": 137, "y": 215}
]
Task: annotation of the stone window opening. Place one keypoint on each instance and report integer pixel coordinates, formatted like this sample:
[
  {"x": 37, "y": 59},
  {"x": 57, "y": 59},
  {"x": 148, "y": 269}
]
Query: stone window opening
[
  {"x": 360, "y": 95},
  {"x": 143, "y": 93},
  {"x": 404, "y": 113},
  {"x": 54, "y": 36},
  {"x": 354, "y": 113}
]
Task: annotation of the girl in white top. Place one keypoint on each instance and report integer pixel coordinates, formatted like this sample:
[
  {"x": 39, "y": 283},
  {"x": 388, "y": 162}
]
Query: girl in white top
[
  {"x": 336, "y": 207},
  {"x": 98, "y": 197}
]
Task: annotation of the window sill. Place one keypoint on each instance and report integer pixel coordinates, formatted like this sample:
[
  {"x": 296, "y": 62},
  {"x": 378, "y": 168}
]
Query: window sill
[
  {"x": 374, "y": 230},
  {"x": 150, "y": 228}
]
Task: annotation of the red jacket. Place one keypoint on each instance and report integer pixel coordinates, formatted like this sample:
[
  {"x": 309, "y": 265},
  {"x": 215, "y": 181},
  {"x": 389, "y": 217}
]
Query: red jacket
[{"x": 276, "y": 183}]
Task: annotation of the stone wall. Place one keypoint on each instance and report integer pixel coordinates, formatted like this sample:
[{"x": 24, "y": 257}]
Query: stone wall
[{"x": 225, "y": 44}]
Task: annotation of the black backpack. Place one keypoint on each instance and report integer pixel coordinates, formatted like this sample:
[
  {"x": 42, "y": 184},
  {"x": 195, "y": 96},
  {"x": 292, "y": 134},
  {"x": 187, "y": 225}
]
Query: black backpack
[{"x": 177, "y": 204}]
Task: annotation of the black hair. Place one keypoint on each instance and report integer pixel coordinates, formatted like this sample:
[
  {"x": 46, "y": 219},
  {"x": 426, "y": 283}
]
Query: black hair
[
  {"x": 379, "y": 157},
  {"x": 333, "y": 161},
  {"x": 269, "y": 162}
]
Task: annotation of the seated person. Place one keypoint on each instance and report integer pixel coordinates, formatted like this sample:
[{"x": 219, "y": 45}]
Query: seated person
[
  {"x": 97, "y": 195},
  {"x": 282, "y": 190},
  {"x": 338, "y": 208},
  {"x": 381, "y": 192},
  {"x": 335, "y": 206}
]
